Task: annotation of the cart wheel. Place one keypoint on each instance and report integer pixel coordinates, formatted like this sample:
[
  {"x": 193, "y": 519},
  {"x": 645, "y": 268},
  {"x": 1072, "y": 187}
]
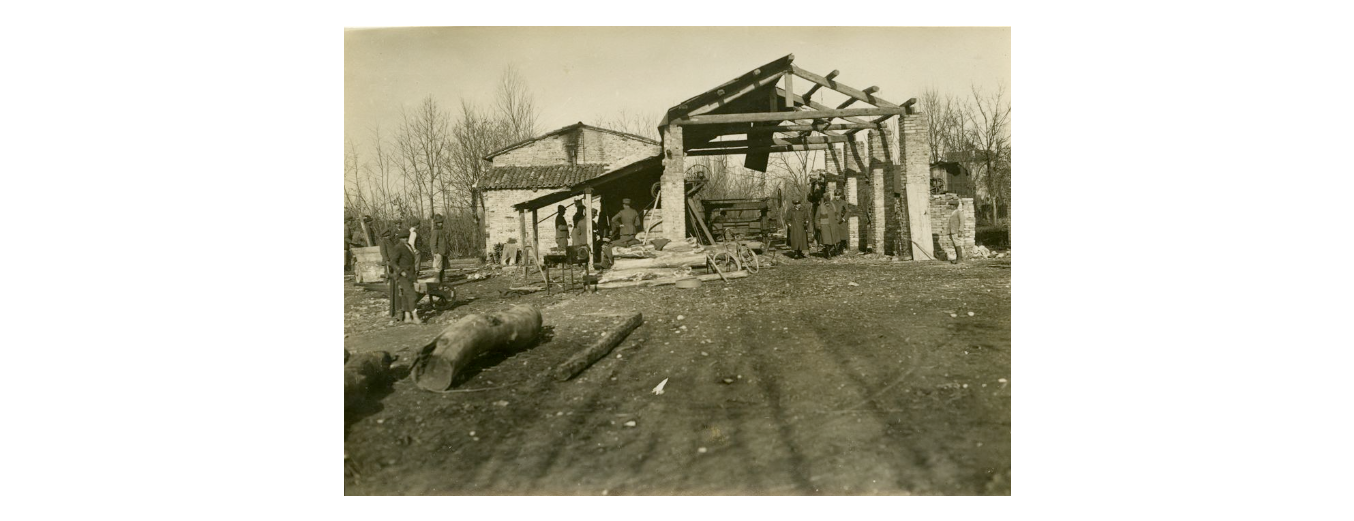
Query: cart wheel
[
  {"x": 749, "y": 260},
  {"x": 725, "y": 262}
]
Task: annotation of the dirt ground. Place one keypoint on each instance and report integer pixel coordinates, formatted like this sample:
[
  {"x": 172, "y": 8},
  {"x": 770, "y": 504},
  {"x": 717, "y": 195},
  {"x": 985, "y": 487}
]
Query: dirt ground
[{"x": 790, "y": 382}]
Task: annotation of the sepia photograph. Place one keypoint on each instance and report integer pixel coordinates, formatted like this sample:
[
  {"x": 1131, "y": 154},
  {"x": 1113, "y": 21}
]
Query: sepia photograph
[{"x": 656, "y": 261}]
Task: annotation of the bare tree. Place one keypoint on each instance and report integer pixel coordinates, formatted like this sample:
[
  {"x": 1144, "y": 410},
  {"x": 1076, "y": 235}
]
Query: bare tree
[
  {"x": 516, "y": 105},
  {"x": 632, "y": 122},
  {"x": 990, "y": 132},
  {"x": 424, "y": 145}
]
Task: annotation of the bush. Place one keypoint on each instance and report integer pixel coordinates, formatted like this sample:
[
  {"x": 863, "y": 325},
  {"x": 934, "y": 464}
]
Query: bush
[{"x": 995, "y": 237}]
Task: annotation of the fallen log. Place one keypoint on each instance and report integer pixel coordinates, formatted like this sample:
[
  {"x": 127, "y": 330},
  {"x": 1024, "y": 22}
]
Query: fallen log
[
  {"x": 472, "y": 335},
  {"x": 598, "y": 350},
  {"x": 617, "y": 275},
  {"x": 666, "y": 261},
  {"x": 663, "y": 282}
]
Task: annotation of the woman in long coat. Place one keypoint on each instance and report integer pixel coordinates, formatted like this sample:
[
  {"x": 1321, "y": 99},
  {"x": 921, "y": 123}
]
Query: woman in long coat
[
  {"x": 829, "y": 229},
  {"x": 798, "y": 220}
]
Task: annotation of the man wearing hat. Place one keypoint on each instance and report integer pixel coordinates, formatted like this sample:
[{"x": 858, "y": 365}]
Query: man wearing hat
[
  {"x": 798, "y": 220},
  {"x": 387, "y": 244},
  {"x": 441, "y": 247},
  {"x": 826, "y": 220},
  {"x": 561, "y": 228},
  {"x": 625, "y": 224},
  {"x": 843, "y": 211},
  {"x": 404, "y": 261}
]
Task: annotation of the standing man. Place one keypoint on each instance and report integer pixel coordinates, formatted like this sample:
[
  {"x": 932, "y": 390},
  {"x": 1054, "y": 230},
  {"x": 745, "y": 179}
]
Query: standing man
[
  {"x": 406, "y": 272},
  {"x": 625, "y": 224},
  {"x": 387, "y": 244},
  {"x": 351, "y": 240},
  {"x": 561, "y": 229},
  {"x": 579, "y": 236},
  {"x": 827, "y": 221},
  {"x": 955, "y": 229},
  {"x": 441, "y": 239},
  {"x": 798, "y": 220},
  {"x": 842, "y": 208}
]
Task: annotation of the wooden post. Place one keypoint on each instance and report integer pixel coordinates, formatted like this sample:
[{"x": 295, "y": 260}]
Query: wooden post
[
  {"x": 587, "y": 220},
  {"x": 789, "y": 91},
  {"x": 535, "y": 237},
  {"x": 522, "y": 238},
  {"x": 366, "y": 235}
]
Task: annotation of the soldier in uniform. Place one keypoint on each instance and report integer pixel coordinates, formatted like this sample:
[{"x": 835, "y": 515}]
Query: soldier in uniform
[
  {"x": 798, "y": 221},
  {"x": 625, "y": 224},
  {"x": 404, "y": 260},
  {"x": 954, "y": 227},
  {"x": 387, "y": 244},
  {"x": 843, "y": 233},
  {"x": 561, "y": 228},
  {"x": 827, "y": 221},
  {"x": 441, "y": 246}
]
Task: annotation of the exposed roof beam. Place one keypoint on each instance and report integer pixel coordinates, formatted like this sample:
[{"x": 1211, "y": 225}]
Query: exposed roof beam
[
  {"x": 760, "y": 150},
  {"x": 810, "y": 140},
  {"x": 743, "y": 128},
  {"x": 861, "y": 95},
  {"x": 755, "y": 117},
  {"x": 817, "y": 86}
]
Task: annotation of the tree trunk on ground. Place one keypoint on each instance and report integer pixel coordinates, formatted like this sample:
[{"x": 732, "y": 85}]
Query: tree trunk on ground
[{"x": 439, "y": 362}]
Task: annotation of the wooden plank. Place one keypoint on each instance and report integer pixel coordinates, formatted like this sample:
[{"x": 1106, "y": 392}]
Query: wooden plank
[
  {"x": 599, "y": 349},
  {"x": 844, "y": 89},
  {"x": 790, "y": 88},
  {"x": 847, "y": 103},
  {"x": 742, "y": 128},
  {"x": 816, "y": 86},
  {"x": 727, "y": 96},
  {"x": 774, "y": 141},
  {"x": 756, "y": 117},
  {"x": 761, "y": 150}
]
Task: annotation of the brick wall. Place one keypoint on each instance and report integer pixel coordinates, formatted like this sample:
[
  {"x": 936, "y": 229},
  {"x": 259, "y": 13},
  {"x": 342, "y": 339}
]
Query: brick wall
[
  {"x": 501, "y": 218},
  {"x": 940, "y": 217}
]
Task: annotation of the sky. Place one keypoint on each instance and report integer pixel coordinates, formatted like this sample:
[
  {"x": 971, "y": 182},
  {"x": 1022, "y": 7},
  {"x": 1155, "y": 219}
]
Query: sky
[{"x": 583, "y": 74}]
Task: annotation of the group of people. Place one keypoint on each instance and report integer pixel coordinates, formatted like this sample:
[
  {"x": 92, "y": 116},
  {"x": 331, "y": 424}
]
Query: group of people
[
  {"x": 400, "y": 245},
  {"x": 622, "y": 228},
  {"x": 824, "y": 222}
]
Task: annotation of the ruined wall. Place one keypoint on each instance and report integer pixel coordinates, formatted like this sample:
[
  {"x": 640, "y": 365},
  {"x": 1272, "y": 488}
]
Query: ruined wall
[
  {"x": 885, "y": 168},
  {"x": 940, "y": 217}
]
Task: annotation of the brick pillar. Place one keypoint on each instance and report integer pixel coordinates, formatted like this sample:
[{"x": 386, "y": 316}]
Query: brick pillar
[
  {"x": 857, "y": 165},
  {"x": 853, "y": 222},
  {"x": 915, "y": 151},
  {"x": 885, "y": 225},
  {"x": 673, "y": 189}
]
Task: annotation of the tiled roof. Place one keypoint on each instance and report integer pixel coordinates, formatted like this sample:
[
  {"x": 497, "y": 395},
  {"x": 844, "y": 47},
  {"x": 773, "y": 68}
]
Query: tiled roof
[{"x": 554, "y": 176}]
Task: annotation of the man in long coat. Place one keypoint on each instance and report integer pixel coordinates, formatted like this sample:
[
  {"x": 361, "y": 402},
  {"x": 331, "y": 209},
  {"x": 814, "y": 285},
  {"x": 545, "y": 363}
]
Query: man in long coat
[
  {"x": 828, "y": 225},
  {"x": 843, "y": 232},
  {"x": 561, "y": 228},
  {"x": 625, "y": 224},
  {"x": 387, "y": 244},
  {"x": 798, "y": 220}
]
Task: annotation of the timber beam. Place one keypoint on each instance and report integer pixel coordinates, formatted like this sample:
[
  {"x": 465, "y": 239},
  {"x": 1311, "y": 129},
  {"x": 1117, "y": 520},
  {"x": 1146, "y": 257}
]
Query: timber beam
[
  {"x": 737, "y": 128},
  {"x": 907, "y": 109},
  {"x": 861, "y": 95},
  {"x": 810, "y": 140},
  {"x": 817, "y": 86},
  {"x": 759, "y": 150},
  {"x": 758, "y": 117}
]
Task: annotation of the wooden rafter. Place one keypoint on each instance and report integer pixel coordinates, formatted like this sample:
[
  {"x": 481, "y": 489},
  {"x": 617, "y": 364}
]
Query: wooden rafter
[
  {"x": 817, "y": 86},
  {"x": 743, "y": 128},
  {"x": 861, "y": 95},
  {"x": 758, "y": 150},
  {"x": 809, "y": 140},
  {"x": 756, "y": 117}
]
